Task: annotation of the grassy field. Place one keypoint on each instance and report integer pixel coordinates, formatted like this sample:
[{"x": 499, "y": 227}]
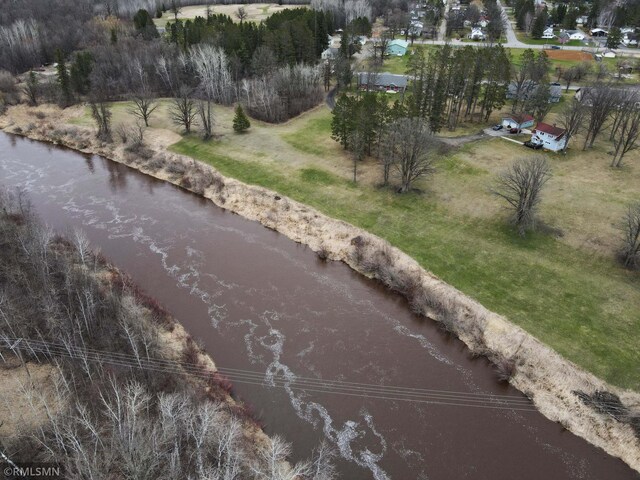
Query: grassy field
[
  {"x": 561, "y": 284},
  {"x": 256, "y": 11}
]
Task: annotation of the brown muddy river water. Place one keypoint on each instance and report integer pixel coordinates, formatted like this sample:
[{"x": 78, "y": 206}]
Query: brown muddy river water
[{"x": 282, "y": 322}]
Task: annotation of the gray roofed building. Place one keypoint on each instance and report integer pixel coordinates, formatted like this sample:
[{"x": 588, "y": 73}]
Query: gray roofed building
[
  {"x": 529, "y": 88},
  {"x": 382, "y": 81}
]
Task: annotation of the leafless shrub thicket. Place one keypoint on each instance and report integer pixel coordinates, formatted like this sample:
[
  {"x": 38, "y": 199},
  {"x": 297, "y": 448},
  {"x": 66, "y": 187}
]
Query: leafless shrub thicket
[
  {"x": 110, "y": 419},
  {"x": 609, "y": 404},
  {"x": 424, "y": 299},
  {"x": 287, "y": 92}
]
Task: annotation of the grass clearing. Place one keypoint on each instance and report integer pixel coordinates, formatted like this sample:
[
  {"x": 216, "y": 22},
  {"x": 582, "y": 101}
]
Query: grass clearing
[
  {"x": 256, "y": 12},
  {"x": 579, "y": 302}
]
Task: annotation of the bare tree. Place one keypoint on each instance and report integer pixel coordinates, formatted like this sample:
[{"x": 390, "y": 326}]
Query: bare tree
[
  {"x": 322, "y": 467},
  {"x": 413, "y": 151},
  {"x": 630, "y": 252},
  {"x": 175, "y": 9},
  {"x": 241, "y": 14},
  {"x": 358, "y": 147},
  {"x": 521, "y": 187},
  {"x": 601, "y": 99},
  {"x": 572, "y": 118},
  {"x": 626, "y": 132},
  {"x": 182, "y": 111},
  {"x": 101, "y": 113}
]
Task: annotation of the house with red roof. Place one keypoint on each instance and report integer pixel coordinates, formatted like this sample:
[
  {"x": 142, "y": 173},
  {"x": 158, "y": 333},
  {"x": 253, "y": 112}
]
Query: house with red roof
[
  {"x": 549, "y": 136},
  {"x": 519, "y": 121}
]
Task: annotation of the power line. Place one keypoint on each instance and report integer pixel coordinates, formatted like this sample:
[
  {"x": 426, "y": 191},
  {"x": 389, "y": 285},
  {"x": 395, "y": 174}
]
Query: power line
[{"x": 306, "y": 384}]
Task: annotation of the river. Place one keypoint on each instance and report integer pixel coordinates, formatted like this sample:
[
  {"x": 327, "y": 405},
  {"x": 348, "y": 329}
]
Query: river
[{"x": 409, "y": 402}]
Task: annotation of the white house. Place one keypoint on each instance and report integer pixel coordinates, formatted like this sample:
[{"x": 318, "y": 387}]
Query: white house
[
  {"x": 549, "y": 136},
  {"x": 575, "y": 34},
  {"x": 330, "y": 53},
  {"x": 548, "y": 33},
  {"x": 598, "y": 32},
  {"x": 476, "y": 34},
  {"x": 630, "y": 39},
  {"x": 519, "y": 121}
]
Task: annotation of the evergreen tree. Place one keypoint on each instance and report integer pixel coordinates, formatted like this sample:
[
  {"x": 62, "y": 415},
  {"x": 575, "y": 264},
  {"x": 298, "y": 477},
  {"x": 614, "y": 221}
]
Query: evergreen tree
[
  {"x": 614, "y": 38},
  {"x": 240, "y": 121},
  {"x": 80, "y": 72},
  {"x": 32, "y": 88},
  {"x": 144, "y": 25},
  {"x": 342, "y": 123},
  {"x": 114, "y": 36},
  {"x": 64, "y": 81},
  {"x": 539, "y": 25}
]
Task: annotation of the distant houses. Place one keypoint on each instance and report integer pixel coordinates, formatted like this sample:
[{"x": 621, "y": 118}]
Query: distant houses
[
  {"x": 397, "y": 47},
  {"x": 549, "y": 136},
  {"x": 382, "y": 82}
]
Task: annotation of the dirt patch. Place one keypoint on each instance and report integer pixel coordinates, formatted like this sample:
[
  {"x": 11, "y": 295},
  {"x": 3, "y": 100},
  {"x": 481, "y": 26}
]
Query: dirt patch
[
  {"x": 23, "y": 396},
  {"x": 574, "y": 55}
]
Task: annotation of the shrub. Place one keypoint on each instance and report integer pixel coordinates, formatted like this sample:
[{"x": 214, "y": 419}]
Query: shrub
[
  {"x": 176, "y": 167},
  {"x": 505, "y": 369},
  {"x": 323, "y": 253}
]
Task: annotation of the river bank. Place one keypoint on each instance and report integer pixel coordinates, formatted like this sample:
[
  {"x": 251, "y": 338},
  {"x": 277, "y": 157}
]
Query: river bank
[
  {"x": 103, "y": 345},
  {"x": 536, "y": 370}
]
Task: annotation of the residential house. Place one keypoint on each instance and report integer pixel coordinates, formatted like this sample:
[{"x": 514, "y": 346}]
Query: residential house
[
  {"x": 549, "y": 136},
  {"x": 397, "y": 47},
  {"x": 572, "y": 35},
  {"x": 630, "y": 39},
  {"x": 518, "y": 121},
  {"x": 598, "y": 32},
  {"x": 529, "y": 88},
  {"x": 581, "y": 20},
  {"x": 476, "y": 34},
  {"x": 583, "y": 93},
  {"x": 548, "y": 33},
  {"x": 382, "y": 82},
  {"x": 330, "y": 53}
]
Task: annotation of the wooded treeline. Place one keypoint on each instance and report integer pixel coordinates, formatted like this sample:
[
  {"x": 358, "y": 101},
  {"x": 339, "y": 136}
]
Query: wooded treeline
[
  {"x": 450, "y": 84},
  {"x": 133, "y": 412}
]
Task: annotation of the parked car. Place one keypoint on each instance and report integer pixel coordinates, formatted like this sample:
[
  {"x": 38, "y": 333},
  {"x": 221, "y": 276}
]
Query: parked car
[
  {"x": 497, "y": 127},
  {"x": 515, "y": 130},
  {"x": 555, "y": 47},
  {"x": 530, "y": 144}
]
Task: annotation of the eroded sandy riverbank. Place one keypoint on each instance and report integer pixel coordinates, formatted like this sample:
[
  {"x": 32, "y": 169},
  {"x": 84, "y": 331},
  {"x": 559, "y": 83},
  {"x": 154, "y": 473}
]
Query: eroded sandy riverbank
[{"x": 542, "y": 374}]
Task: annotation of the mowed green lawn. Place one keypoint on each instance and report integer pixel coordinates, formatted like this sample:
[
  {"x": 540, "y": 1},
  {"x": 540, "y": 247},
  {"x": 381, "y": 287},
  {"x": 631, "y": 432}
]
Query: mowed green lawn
[{"x": 580, "y": 303}]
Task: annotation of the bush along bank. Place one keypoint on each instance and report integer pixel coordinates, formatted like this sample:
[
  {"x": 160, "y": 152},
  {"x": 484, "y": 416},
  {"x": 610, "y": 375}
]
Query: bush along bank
[{"x": 556, "y": 386}]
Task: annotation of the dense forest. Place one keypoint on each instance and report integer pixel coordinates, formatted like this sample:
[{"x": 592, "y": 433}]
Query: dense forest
[{"x": 271, "y": 66}]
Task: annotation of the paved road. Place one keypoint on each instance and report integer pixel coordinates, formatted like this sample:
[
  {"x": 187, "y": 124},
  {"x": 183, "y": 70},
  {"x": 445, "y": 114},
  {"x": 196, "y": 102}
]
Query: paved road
[
  {"x": 513, "y": 42},
  {"x": 442, "y": 33}
]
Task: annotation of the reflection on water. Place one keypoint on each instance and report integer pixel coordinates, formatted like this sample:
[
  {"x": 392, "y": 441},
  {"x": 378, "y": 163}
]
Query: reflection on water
[{"x": 264, "y": 305}]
